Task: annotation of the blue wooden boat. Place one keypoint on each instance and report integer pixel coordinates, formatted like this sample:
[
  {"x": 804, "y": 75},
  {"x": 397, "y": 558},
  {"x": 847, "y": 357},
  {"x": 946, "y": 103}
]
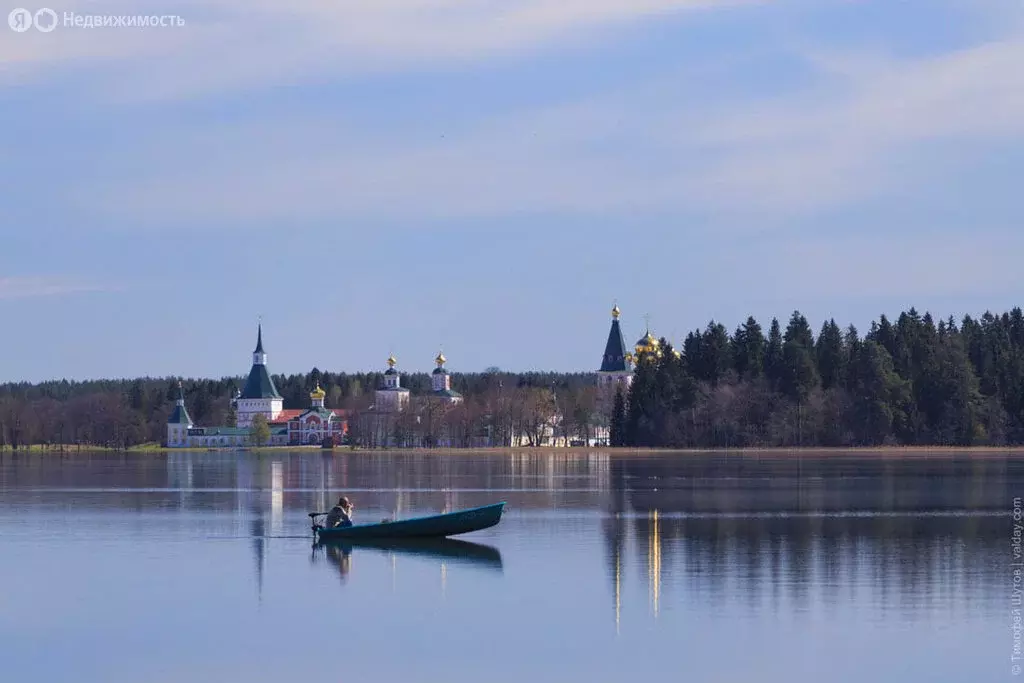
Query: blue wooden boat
[{"x": 432, "y": 526}]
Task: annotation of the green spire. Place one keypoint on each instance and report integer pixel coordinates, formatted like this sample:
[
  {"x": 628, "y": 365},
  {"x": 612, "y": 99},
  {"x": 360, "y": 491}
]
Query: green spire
[
  {"x": 180, "y": 414},
  {"x": 614, "y": 359}
]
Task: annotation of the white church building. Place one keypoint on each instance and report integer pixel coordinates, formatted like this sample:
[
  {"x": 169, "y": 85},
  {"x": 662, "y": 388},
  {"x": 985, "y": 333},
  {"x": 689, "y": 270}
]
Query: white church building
[{"x": 293, "y": 427}]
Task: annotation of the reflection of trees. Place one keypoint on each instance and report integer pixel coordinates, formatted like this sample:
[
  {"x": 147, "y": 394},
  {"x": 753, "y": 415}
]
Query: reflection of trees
[
  {"x": 889, "y": 562},
  {"x": 614, "y": 528},
  {"x": 723, "y": 483}
]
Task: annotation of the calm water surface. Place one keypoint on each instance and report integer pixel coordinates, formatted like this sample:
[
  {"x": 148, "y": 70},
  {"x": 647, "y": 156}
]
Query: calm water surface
[{"x": 718, "y": 568}]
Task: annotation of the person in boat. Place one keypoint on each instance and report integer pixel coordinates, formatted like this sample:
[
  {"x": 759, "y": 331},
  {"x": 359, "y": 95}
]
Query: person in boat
[{"x": 340, "y": 514}]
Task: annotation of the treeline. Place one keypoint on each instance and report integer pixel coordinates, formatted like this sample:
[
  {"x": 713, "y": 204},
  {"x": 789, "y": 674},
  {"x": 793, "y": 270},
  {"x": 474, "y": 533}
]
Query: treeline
[
  {"x": 125, "y": 413},
  {"x": 912, "y": 382}
]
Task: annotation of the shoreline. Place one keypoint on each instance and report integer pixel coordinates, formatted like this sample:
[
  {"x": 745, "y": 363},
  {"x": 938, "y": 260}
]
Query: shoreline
[{"x": 38, "y": 449}]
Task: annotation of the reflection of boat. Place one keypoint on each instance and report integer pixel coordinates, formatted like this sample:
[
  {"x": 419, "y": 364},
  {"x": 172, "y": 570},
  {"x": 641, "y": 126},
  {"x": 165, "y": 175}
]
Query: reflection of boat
[
  {"x": 435, "y": 548},
  {"x": 340, "y": 557},
  {"x": 432, "y": 526}
]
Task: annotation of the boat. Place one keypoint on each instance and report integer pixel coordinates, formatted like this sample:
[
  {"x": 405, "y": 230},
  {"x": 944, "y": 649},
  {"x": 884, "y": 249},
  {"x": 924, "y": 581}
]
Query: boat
[{"x": 431, "y": 526}]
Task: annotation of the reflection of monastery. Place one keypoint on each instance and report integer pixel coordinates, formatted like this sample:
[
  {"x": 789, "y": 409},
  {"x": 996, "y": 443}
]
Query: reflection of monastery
[{"x": 390, "y": 421}]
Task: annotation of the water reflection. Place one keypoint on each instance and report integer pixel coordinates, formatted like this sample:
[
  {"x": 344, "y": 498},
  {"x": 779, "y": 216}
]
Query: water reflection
[
  {"x": 807, "y": 560},
  {"x": 890, "y": 563},
  {"x": 654, "y": 561},
  {"x": 445, "y": 549},
  {"x": 338, "y": 555},
  {"x": 276, "y": 496},
  {"x": 615, "y": 532},
  {"x": 258, "y": 528},
  {"x": 809, "y": 482}
]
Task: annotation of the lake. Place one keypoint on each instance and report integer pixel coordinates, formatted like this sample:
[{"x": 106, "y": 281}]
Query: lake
[{"x": 685, "y": 567}]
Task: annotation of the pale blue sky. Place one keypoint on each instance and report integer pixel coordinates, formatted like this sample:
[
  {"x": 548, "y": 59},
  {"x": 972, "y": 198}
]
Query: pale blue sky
[{"x": 397, "y": 175}]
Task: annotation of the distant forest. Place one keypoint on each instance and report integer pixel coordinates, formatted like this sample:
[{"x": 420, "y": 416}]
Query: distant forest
[
  {"x": 912, "y": 382},
  {"x": 908, "y": 382}
]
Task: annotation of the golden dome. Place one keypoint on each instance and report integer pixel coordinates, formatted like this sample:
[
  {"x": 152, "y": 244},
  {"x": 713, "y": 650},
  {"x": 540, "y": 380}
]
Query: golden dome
[
  {"x": 318, "y": 393},
  {"x": 440, "y": 360},
  {"x": 392, "y": 361},
  {"x": 647, "y": 340},
  {"x": 648, "y": 344},
  {"x": 615, "y": 312}
]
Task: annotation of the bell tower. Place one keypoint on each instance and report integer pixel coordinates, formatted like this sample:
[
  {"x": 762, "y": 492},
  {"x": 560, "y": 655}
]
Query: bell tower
[
  {"x": 616, "y": 371},
  {"x": 259, "y": 396}
]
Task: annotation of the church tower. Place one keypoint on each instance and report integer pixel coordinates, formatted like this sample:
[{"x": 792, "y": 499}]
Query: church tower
[
  {"x": 616, "y": 371},
  {"x": 317, "y": 396},
  {"x": 616, "y": 365},
  {"x": 179, "y": 422},
  {"x": 392, "y": 397},
  {"x": 441, "y": 382},
  {"x": 259, "y": 397}
]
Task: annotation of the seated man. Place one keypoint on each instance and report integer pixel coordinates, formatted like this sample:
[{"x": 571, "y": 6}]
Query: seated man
[{"x": 340, "y": 514}]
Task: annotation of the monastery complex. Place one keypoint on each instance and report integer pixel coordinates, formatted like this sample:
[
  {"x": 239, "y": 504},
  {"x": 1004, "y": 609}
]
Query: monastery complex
[{"x": 319, "y": 425}]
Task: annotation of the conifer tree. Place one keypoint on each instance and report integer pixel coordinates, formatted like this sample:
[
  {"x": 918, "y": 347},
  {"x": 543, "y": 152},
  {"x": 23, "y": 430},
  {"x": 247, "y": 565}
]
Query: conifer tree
[
  {"x": 717, "y": 356},
  {"x": 618, "y": 423},
  {"x": 799, "y": 370},
  {"x": 640, "y": 407},
  {"x": 831, "y": 355},
  {"x": 773, "y": 366},
  {"x": 877, "y": 392},
  {"x": 693, "y": 353},
  {"x": 949, "y": 398},
  {"x": 882, "y": 333},
  {"x": 748, "y": 345},
  {"x": 851, "y": 345}
]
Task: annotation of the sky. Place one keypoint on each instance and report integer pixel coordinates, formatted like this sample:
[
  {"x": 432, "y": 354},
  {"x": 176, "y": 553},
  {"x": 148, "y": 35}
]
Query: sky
[{"x": 487, "y": 177}]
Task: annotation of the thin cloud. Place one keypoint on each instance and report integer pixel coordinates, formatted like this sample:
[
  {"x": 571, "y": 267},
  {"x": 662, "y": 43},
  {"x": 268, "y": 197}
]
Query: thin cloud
[
  {"x": 836, "y": 144},
  {"x": 26, "y": 287},
  {"x": 251, "y": 44},
  {"x": 643, "y": 149}
]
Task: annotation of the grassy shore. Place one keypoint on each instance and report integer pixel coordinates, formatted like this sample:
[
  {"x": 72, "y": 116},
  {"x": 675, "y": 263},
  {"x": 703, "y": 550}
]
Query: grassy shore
[{"x": 74, "y": 448}]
